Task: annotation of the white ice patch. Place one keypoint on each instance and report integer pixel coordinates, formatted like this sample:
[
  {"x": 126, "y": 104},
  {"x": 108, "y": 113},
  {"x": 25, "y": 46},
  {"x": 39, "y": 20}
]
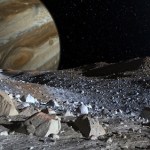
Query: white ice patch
[
  {"x": 83, "y": 109},
  {"x": 56, "y": 104},
  {"x": 31, "y": 99}
]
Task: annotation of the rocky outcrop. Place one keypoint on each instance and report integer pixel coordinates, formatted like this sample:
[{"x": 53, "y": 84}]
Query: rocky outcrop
[
  {"x": 42, "y": 124},
  {"x": 7, "y": 107},
  {"x": 89, "y": 126}
]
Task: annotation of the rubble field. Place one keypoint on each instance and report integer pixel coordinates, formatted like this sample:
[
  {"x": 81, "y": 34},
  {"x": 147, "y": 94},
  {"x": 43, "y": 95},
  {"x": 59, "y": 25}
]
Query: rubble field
[{"x": 99, "y": 106}]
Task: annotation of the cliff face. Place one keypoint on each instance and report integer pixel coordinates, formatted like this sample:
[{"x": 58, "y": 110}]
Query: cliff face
[{"x": 28, "y": 36}]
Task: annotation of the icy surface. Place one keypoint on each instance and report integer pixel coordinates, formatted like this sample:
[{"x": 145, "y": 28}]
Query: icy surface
[{"x": 31, "y": 99}]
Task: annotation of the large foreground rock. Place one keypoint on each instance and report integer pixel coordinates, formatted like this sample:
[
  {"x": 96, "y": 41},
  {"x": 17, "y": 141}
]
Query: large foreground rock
[
  {"x": 41, "y": 124},
  {"x": 89, "y": 126},
  {"x": 7, "y": 107},
  {"x": 28, "y": 111}
]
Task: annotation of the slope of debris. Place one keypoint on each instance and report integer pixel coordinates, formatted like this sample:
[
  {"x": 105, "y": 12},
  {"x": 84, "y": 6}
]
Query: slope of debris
[{"x": 115, "y": 97}]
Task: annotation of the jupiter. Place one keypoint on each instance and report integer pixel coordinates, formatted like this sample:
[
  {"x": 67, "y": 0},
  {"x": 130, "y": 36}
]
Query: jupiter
[{"x": 28, "y": 36}]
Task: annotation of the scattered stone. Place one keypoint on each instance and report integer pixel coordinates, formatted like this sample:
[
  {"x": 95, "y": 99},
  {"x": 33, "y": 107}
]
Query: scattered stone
[
  {"x": 54, "y": 136},
  {"x": 89, "y": 126},
  {"x": 4, "y": 133},
  {"x": 7, "y": 107},
  {"x": 125, "y": 147},
  {"x": 82, "y": 109},
  {"x": 41, "y": 124},
  {"x": 9, "y": 120},
  {"x": 52, "y": 103},
  {"x": 45, "y": 110},
  {"x": 89, "y": 106},
  {"x": 11, "y": 132},
  {"x": 142, "y": 146},
  {"x": 17, "y": 96},
  {"x": 93, "y": 138},
  {"x": 104, "y": 111},
  {"x": 82, "y": 92},
  {"x": 139, "y": 130},
  {"x": 121, "y": 123},
  {"x": 23, "y": 98},
  {"x": 68, "y": 119},
  {"x": 29, "y": 99},
  {"x": 48, "y": 111},
  {"x": 103, "y": 138},
  {"x": 109, "y": 140},
  {"x": 43, "y": 140},
  {"x": 124, "y": 137},
  {"x": 2, "y": 128},
  {"x": 68, "y": 114},
  {"x": 31, "y": 148},
  {"x": 24, "y": 105}
]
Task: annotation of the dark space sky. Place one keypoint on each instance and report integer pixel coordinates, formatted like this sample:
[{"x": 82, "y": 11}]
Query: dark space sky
[{"x": 101, "y": 30}]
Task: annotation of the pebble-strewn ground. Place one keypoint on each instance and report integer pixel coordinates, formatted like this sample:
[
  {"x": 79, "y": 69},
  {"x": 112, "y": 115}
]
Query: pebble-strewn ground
[{"x": 117, "y": 99}]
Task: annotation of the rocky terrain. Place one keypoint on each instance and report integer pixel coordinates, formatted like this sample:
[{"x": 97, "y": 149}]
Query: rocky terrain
[{"x": 99, "y": 106}]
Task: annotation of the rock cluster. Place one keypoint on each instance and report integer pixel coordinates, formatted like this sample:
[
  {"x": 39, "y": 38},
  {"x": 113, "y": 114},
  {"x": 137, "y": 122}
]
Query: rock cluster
[
  {"x": 45, "y": 122},
  {"x": 41, "y": 124},
  {"x": 96, "y": 113}
]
